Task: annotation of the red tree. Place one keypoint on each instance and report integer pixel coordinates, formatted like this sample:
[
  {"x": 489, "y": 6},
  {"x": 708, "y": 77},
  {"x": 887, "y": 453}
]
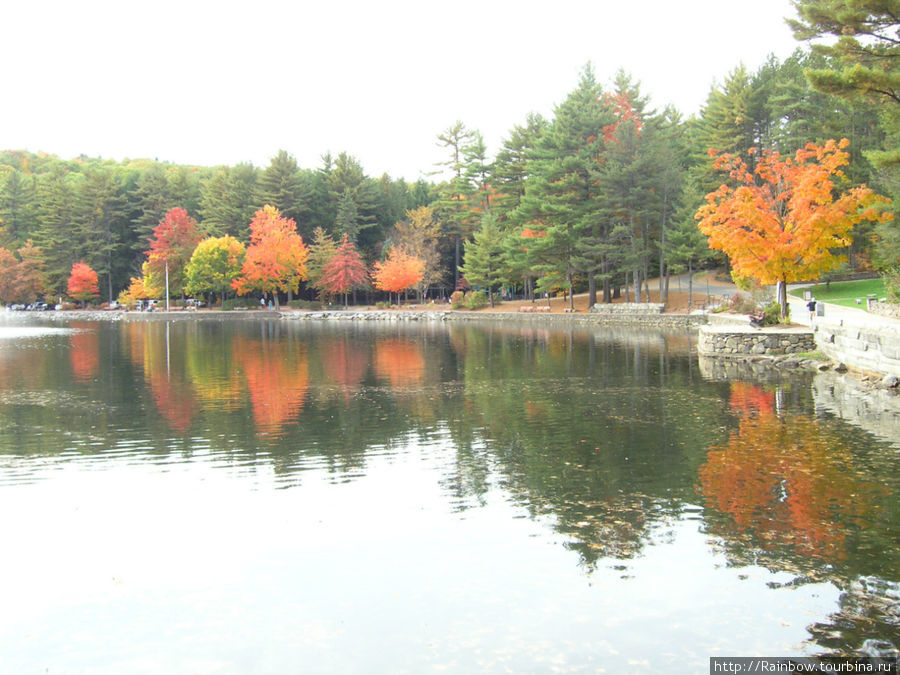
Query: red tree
[
  {"x": 174, "y": 241},
  {"x": 344, "y": 271},
  {"x": 83, "y": 283}
]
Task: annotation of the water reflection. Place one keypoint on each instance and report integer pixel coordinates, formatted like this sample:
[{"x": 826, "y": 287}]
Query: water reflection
[{"x": 611, "y": 445}]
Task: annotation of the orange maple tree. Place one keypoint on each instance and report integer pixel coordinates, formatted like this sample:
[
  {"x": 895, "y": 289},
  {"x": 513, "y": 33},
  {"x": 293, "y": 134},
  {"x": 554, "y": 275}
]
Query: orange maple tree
[
  {"x": 398, "y": 272},
  {"x": 276, "y": 257},
  {"x": 781, "y": 222},
  {"x": 344, "y": 271},
  {"x": 83, "y": 283}
]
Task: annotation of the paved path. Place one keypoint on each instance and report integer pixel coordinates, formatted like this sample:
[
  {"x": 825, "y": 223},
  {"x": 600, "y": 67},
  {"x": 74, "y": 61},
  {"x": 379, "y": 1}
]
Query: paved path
[{"x": 849, "y": 315}]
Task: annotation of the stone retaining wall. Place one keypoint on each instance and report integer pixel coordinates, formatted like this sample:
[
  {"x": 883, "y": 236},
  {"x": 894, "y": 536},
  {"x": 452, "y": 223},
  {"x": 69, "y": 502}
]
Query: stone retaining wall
[
  {"x": 862, "y": 347},
  {"x": 770, "y": 342},
  {"x": 888, "y": 309},
  {"x": 679, "y": 321},
  {"x": 873, "y": 409}
]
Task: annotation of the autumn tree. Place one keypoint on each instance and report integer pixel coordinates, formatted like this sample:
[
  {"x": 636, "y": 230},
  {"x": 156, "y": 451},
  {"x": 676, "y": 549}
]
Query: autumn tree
[
  {"x": 398, "y": 272},
  {"x": 83, "y": 283},
  {"x": 345, "y": 271},
  {"x": 215, "y": 263},
  {"x": 418, "y": 235},
  {"x": 276, "y": 257},
  {"x": 321, "y": 250},
  {"x": 173, "y": 243},
  {"x": 8, "y": 265},
  {"x": 781, "y": 222}
]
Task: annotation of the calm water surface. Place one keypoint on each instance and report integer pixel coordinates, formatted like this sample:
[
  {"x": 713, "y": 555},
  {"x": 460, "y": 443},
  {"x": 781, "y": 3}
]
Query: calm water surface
[{"x": 277, "y": 496}]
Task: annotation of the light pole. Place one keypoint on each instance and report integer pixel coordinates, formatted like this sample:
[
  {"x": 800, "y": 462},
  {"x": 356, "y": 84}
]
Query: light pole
[{"x": 167, "y": 285}]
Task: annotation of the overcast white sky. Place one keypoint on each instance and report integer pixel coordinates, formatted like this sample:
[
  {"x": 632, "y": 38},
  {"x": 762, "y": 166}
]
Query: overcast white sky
[{"x": 223, "y": 82}]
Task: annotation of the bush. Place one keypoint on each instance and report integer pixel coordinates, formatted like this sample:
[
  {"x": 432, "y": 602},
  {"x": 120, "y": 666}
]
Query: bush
[
  {"x": 772, "y": 314},
  {"x": 892, "y": 284},
  {"x": 741, "y": 304},
  {"x": 475, "y": 299},
  {"x": 383, "y": 304},
  {"x": 456, "y": 299}
]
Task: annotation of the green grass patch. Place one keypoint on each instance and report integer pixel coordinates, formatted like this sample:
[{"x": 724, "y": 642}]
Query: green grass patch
[
  {"x": 845, "y": 292},
  {"x": 812, "y": 356}
]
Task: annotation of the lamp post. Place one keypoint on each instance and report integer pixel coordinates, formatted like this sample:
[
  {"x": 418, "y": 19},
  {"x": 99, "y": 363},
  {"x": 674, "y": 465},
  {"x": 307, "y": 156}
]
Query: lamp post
[{"x": 167, "y": 285}]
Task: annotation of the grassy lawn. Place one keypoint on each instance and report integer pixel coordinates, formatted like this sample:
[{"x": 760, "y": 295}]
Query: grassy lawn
[{"x": 845, "y": 292}]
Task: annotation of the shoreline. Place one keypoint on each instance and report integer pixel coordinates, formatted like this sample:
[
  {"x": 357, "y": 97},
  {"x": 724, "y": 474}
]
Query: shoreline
[{"x": 686, "y": 321}]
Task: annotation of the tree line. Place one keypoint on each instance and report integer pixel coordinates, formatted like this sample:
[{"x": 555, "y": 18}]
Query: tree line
[{"x": 602, "y": 196}]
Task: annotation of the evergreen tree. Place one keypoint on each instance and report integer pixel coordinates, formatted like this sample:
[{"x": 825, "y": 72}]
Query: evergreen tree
[
  {"x": 56, "y": 218},
  {"x": 152, "y": 201},
  {"x": 229, "y": 199},
  {"x": 454, "y": 193},
  {"x": 17, "y": 207},
  {"x": 282, "y": 186},
  {"x": 562, "y": 198},
  {"x": 484, "y": 261},
  {"x": 100, "y": 227},
  {"x": 510, "y": 168}
]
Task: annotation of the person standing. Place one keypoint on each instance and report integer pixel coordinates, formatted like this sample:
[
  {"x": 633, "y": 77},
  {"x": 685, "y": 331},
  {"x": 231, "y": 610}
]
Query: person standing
[{"x": 811, "y": 306}]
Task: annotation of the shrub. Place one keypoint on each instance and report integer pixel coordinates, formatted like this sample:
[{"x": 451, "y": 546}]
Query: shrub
[
  {"x": 383, "y": 304},
  {"x": 892, "y": 284},
  {"x": 475, "y": 300},
  {"x": 772, "y": 314},
  {"x": 741, "y": 304},
  {"x": 456, "y": 299}
]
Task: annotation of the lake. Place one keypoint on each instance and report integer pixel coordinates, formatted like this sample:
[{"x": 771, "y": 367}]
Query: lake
[{"x": 276, "y": 496}]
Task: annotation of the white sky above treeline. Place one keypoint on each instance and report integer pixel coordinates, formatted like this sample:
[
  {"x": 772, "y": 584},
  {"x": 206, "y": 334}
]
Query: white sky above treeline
[{"x": 222, "y": 82}]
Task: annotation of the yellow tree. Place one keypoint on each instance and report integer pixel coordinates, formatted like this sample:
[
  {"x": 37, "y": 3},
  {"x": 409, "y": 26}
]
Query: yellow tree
[
  {"x": 418, "y": 234},
  {"x": 782, "y": 222}
]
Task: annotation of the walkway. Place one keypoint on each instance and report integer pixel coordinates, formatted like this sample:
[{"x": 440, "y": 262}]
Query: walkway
[{"x": 849, "y": 315}]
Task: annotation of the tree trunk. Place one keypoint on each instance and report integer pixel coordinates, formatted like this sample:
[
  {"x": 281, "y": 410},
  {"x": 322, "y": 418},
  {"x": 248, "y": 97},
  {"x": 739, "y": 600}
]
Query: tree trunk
[
  {"x": 782, "y": 299},
  {"x": 690, "y": 283},
  {"x": 592, "y": 290}
]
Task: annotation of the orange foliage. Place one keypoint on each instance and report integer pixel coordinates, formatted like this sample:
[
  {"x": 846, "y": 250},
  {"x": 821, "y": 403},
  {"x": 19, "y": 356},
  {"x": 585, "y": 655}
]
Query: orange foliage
[
  {"x": 399, "y": 361},
  {"x": 399, "y": 272},
  {"x": 83, "y": 282},
  {"x": 625, "y": 114},
  {"x": 746, "y": 399},
  {"x": 530, "y": 233},
  {"x": 277, "y": 380},
  {"x": 84, "y": 352},
  {"x": 276, "y": 257},
  {"x": 782, "y": 222},
  {"x": 344, "y": 365},
  {"x": 782, "y": 479}
]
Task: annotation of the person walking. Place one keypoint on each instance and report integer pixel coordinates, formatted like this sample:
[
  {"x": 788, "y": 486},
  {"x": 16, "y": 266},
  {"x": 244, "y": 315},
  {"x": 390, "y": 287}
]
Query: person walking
[{"x": 811, "y": 306}]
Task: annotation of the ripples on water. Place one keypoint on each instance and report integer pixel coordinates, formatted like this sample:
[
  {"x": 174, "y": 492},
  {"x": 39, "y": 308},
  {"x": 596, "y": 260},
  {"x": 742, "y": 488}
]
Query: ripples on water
[{"x": 350, "y": 499}]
